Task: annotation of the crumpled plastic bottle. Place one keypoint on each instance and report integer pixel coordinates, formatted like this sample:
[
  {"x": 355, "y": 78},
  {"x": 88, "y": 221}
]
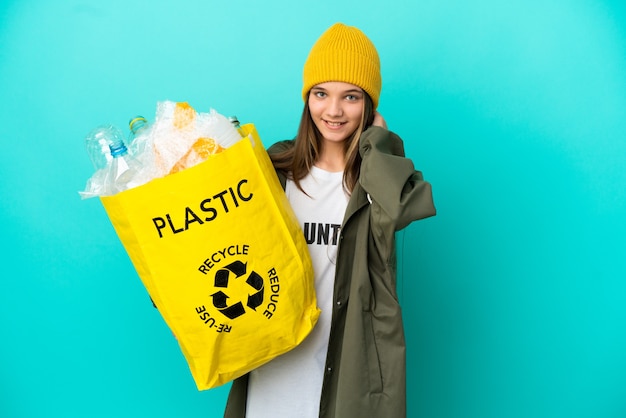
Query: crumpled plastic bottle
[
  {"x": 97, "y": 144},
  {"x": 115, "y": 168},
  {"x": 123, "y": 171}
]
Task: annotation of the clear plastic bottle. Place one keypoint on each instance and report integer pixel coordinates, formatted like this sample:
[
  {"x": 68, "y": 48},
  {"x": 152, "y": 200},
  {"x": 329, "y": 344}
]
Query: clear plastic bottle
[
  {"x": 123, "y": 171},
  {"x": 224, "y": 130},
  {"x": 138, "y": 136},
  {"x": 235, "y": 121},
  {"x": 97, "y": 144}
]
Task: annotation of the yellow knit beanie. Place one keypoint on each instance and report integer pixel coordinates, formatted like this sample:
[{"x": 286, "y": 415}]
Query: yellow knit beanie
[{"x": 343, "y": 53}]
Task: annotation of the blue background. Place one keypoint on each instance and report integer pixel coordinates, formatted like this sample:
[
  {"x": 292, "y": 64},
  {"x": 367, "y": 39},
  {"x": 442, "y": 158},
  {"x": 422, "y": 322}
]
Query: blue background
[{"x": 514, "y": 294}]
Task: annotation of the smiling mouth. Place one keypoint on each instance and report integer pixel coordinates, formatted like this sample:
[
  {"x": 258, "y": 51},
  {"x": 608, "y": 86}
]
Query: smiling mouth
[{"x": 334, "y": 124}]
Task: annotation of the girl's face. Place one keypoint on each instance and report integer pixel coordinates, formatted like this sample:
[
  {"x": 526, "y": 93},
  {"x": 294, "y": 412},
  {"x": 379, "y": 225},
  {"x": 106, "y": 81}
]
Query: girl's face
[{"x": 336, "y": 109}]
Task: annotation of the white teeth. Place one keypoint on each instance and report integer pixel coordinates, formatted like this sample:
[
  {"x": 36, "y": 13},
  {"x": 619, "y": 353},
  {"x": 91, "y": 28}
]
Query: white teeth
[{"x": 333, "y": 123}]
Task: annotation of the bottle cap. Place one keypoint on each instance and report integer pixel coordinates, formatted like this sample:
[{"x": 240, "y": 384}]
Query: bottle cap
[
  {"x": 118, "y": 148},
  {"x": 234, "y": 121},
  {"x": 137, "y": 122}
]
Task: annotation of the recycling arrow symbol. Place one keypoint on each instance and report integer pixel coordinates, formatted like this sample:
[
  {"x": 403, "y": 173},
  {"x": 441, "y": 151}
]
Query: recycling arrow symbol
[{"x": 223, "y": 279}]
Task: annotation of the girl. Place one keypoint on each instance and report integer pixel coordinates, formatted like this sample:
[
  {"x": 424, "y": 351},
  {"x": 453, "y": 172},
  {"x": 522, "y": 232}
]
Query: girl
[{"x": 351, "y": 188}]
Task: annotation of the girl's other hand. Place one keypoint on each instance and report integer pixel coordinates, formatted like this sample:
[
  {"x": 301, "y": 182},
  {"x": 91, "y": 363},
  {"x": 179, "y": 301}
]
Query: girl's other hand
[{"x": 379, "y": 121}]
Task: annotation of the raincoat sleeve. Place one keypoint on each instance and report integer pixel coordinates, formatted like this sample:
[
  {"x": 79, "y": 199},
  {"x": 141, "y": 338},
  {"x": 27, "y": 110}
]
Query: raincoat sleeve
[{"x": 397, "y": 192}]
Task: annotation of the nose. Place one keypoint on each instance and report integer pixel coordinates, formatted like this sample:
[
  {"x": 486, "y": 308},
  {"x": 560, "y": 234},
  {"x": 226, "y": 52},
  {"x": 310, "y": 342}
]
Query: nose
[{"x": 334, "y": 108}]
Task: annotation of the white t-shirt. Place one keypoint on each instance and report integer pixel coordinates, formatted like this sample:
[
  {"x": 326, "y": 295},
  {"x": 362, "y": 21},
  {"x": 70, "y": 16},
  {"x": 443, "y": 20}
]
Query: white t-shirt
[{"x": 291, "y": 384}]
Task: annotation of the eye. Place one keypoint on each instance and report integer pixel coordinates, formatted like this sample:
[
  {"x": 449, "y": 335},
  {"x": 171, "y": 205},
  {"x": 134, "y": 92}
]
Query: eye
[
  {"x": 319, "y": 93},
  {"x": 353, "y": 97}
]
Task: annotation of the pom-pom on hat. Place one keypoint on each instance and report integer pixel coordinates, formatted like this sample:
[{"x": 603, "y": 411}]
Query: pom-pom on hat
[{"x": 343, "y": 53}]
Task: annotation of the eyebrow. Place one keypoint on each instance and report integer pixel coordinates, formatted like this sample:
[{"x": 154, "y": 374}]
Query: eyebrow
[{"x": 343, "y": 92}]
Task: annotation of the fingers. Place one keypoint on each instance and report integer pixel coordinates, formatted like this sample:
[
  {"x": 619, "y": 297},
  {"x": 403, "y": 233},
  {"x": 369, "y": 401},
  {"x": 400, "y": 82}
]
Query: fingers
[{"x": 379, "y": 120}]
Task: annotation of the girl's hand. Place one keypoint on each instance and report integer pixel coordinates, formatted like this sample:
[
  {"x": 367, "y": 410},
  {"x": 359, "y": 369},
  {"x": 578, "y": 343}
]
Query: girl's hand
[{"x": 379, "y": 121}]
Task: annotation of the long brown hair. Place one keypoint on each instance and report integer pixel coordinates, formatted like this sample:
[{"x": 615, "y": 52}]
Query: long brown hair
[{"x": 296, "y": 162}]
